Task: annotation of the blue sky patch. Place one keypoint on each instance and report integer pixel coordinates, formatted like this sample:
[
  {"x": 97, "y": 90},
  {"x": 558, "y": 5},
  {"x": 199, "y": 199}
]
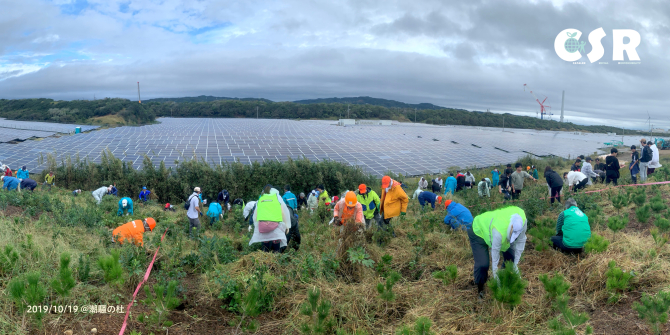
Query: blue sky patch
[{"x": 75, "y": 7}]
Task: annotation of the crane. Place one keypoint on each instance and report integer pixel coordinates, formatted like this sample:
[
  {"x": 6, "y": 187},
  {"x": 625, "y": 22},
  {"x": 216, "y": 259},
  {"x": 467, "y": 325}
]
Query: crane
[{"x": 544, "y": 109}]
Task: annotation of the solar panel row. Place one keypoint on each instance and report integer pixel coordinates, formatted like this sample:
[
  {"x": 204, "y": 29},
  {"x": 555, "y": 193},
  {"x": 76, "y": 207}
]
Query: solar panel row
[
  {"x": 403, "y": 148},
  {"x": 43, "y": 126}
]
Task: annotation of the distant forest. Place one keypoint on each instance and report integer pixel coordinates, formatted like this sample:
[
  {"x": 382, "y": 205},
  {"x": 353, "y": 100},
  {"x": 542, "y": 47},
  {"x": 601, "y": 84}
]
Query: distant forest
[{"x": 125, "y": 112}]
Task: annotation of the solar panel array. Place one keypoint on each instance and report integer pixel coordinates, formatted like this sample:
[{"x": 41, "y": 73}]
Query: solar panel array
[
  {"x": 43, "y": 126},
  {"x": 8, "y": 134},
  {"x": 410, "y": 149}
]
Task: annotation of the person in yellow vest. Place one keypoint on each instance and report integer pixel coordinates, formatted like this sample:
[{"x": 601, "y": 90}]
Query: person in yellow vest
[
  {"x": 272, "y": 220},
  {"x": 370, "y": 202},
  {"x": 324, "y": 199},
  {"x": 502, "y": 230},
  {"x": 393, "y": 201},
  {"x": 50, "y": 180},
  {"x": 133, "y": 231}
]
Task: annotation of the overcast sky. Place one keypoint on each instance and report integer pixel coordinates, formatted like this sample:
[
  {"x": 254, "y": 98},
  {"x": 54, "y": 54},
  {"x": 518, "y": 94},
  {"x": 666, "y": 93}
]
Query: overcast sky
[{"x": 465, "y": 54}]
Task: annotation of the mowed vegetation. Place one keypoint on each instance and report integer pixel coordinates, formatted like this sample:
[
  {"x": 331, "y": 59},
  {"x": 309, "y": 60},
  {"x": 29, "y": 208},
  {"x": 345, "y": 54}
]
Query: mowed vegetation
[{"x": 57, "y": 250}]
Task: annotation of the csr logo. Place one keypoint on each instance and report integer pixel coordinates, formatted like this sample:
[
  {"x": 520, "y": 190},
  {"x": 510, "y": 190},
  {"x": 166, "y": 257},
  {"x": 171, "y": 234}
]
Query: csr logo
[{"x": 568, "y": 46}]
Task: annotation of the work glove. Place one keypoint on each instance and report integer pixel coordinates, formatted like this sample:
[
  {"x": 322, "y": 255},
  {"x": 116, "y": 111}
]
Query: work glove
[
  {"x": 249, "y": 228},
  {"x": 403, "y": 213}
]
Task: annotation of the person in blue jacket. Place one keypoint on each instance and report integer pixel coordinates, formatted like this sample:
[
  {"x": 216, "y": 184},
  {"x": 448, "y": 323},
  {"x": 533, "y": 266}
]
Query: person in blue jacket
[
  {"x": 114, "y": 190},
  {"x": 10, "y": 183},
  {"x": 213, "y": 212},
  {"x": 450, "y": 184},
  {"x": 125, "y": 204},
  {"x": 429, "y": 197},
  {"x": 144, "y": 195},
  {"x": 495, "y": 177},
  {"x": 289, "y": 198},
  {"x": 22, "y": 173},
  {"x": 458, "y": 217}
]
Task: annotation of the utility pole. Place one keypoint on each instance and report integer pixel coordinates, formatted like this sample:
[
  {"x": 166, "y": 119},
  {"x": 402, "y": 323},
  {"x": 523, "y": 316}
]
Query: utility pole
[
  {"x": 414, "y": 115},
  {"x": 503, "y": 124},
  {"x": 138, "y": 92},
  {"x": 347, "y": 111},
  {"x": 256, "y": 112}
]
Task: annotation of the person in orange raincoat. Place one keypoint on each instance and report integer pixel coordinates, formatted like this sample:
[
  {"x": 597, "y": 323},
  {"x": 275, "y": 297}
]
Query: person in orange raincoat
[
  {"x": 133, "y": 231},
  {"x": 394, "y": 201},
  {"x": 347, "y": 210}
]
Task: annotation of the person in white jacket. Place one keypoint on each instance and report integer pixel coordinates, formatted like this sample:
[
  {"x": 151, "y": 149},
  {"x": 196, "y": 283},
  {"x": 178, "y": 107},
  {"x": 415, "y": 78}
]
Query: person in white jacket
[
  {"x": 587, "y": 169},
  {"x": 417, "y": 192},
  {"x": 313, "y": 201},
  {"x": 423, "y": 183},
  {"x": 273, "y": 240},
  {"x": 655, "y": 159},
  {"x": 469, "y": 180},
  {"x": 101, "y": 192}
]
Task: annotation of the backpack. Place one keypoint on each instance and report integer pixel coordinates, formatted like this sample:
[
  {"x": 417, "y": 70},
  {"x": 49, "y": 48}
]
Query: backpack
[{"x": 187, "y": 204}]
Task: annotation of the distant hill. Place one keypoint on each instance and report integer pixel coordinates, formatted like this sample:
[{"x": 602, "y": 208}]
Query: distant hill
[
  {"x": 125, "y": 112},
  {"x": 203, "y": 98},
  {"x": 370, "y": 101}
]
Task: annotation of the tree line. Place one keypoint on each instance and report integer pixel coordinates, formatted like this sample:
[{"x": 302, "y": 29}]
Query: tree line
[{"x": 84, "y": 111}]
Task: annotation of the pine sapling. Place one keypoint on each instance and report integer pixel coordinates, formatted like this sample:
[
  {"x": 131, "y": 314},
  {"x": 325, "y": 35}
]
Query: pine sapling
[
  {"x": 658, "y": 206},
  {"x": 386, "y": 290},
  {"x": 662, "y": 224},
  {"x": 448, "y": 276},
  {"x": 619, "y": 201},
  {"x": 83, "y": 269},
  {"x": 508, "y": 287},
  {"x": 28, "y": 292},
  {"x": 617, "y": 281},
  {"x": 318, "y": 322},
  {"x": 572, "y": 320},
  {"x": 596, "y": 243},
  {"x": 541, "y": 234},
  {"x": 8, "y": 260},
  {"x": 654, "y": 310},
  {"x": 421, "y": 327},
  {"x": 162, "y": 301},
  {"x": 65, "y": 281},
  {"x": 111, "y": 267},
  {"x": 643, "y": 213},
  {"x": 616, "y": 223},
  {"x": 639, "y": 199},
  {"x": 555, "y": 286},
  {"x": 384, "y": 265}
]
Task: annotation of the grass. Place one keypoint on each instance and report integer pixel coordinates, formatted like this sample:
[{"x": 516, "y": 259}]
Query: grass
[{"x": 222, "y": 262}]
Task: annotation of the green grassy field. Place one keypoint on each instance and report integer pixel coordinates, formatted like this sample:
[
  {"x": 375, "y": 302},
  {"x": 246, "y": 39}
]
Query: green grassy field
[{"x": 222, "y": 285}]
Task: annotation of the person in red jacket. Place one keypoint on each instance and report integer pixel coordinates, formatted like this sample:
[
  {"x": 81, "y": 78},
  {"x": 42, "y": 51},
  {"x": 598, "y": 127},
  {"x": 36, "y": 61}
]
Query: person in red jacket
[{"x": 133, "y": 231}]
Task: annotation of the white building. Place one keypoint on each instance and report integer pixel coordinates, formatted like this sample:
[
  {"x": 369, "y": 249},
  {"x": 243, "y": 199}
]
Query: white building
[
  {"x": 374, "y": 122},
  {"x": 346, "y": 122}
]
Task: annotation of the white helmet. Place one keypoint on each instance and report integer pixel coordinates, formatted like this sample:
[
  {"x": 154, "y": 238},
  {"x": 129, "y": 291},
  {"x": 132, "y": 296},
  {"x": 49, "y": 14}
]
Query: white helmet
[{"x": 124, "y": 202}]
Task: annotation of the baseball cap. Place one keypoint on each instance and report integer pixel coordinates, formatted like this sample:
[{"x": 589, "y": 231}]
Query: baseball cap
[{"x": 516, "y": 227}]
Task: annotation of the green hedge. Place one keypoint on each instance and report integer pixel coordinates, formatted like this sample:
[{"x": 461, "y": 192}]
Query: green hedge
[{"x": 174, "y": 185}]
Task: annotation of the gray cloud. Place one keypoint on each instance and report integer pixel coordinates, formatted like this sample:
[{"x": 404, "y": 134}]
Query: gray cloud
[{"x": 463, "y": 54}]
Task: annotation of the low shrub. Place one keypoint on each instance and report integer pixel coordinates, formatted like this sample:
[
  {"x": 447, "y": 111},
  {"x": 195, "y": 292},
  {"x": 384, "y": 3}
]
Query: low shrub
[
  {"x": 508, "y": 287},
  {"x": 555, "y": 286},
  {"x": 618, "y": 281},
  {"x": 654, "y": 310},
  {"x": 596, "y": 243}
]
